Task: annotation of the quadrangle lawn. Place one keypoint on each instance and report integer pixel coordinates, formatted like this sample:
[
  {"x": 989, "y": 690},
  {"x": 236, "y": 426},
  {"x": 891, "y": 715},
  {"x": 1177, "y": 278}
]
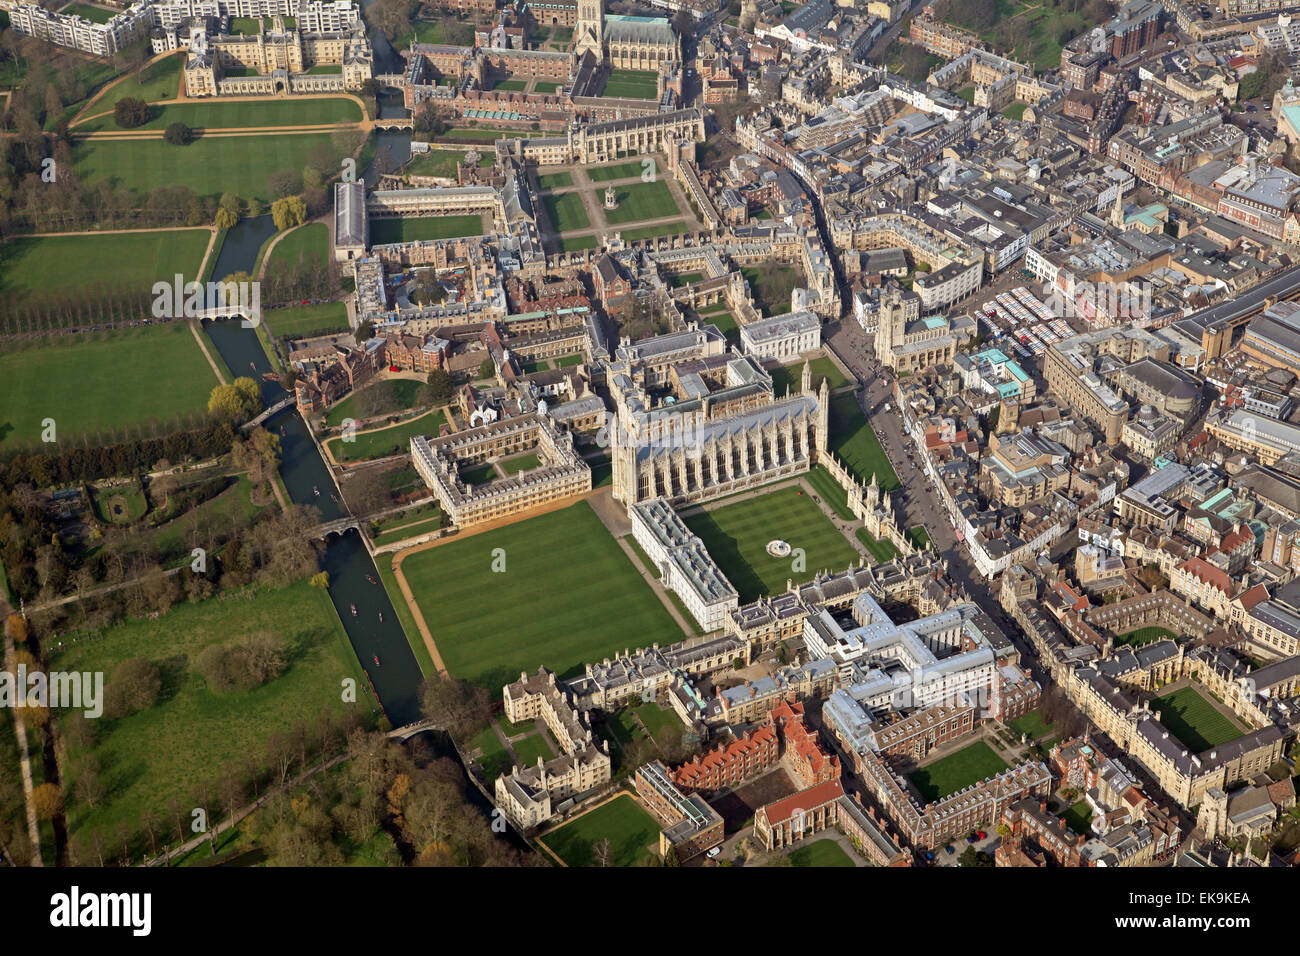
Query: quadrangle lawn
[
  {"x": 113, "y": 260},
  {"x": 632, "y": 84},
  {"x": 640, "y": 201},
  {"x": 602, "y": 174},
  {"x": 820, "y": 853},
  {"x": 103, "y": 381},
  {"x": 854, "y": 443},
  {"x": 393, "y": 440},
  {"x": 1194, "y": 720},
  {"x": 307, "y": 319},
  {"x": 186, "y": 738},
  {"x": 566, "y": 212},
  {"x": 568, "y": 595},
  {"x": 957, "y": 771},
  {"x": 384, "y": 231},
  {"x": 631, "y": 832},
  {"x": 1145, "y": 635},
  {"x": 736, "y": 535},
  {"x": 307, "y": 242},
  {"x": 211, "y": 165},
  {"x": 317, "y": 111}
]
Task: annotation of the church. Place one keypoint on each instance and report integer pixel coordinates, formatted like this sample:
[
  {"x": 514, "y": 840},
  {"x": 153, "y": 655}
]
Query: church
[{"x": 626, "y": 43}]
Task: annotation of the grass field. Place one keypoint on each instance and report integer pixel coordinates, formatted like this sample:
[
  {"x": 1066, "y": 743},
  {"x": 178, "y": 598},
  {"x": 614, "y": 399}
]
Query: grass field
[
  {"x": 307, "y": 319},
  {"x": 523, "y": 463},
  {"x": 1078, "y": 818},
  {"x": 159, "y": 81},
  {"x": 829, "y": 490},
  {"x": 511, "y": 86},
  {"x": 1016, "y": 111},
  {"x": 568, "y": 595},
  {"x": 91, "y": 13},
  {"x": 393, "y": 440},
  {"x": 399, "y": 394},
  {"x": 495, "y": 759},
  {"x": 640, "y": 201},
  {"x": 632, "y": 84},
  {"x": 307, "y": 242},
  {"x": 102, "y": 382},
  {"x": 555, "y": 180},
  {"x": 243, "y": 114},
  {"x": 789, "y": 377},
  {"x": 210, "y": 165},
  {"x": 185, "y": 739},
  {"x": 384, "y": 231},
  {"x": 566, "y": 212},
  {"x": 1030, "y": 724},
  {"x": 530, "y": 748},
  {"x": 632, "y": 833},
  {"x": 545, "y": 86},
  {"x": 483, "y": 134},
  {"x": 650, "y": 232},
  {"x": 120, "y": 260},
  {"x": 820, "y": 853},
  {"x": 1145, "y": 635},
  {"x": 1194, "y": 720},
  {"x": 578, "y": 243},
  {"x": 880, "y": 548},
  {"x": 736, "y": 535},
  {"x": 856, "y": 445},
  {"x": 957, "y": 771},
  {"x": 603, "y": 174},
  {"x": 443, "y": 162}
]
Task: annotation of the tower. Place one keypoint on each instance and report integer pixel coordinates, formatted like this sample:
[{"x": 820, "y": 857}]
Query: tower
[
  {"x": 1117, "y": 210},
  {"x": 589, "y": 34}
]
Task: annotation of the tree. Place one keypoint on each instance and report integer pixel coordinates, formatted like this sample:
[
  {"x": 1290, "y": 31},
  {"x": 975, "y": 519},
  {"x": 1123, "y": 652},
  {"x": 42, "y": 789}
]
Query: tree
[
  {"x": 441, "y": 386},
  {"x": 134, "y": 686},
  {"x": 458, "y": 707},
  {"x": 178, "y": 134},
  {"x": 237, "y": 402},
  {"x": 601, "y": 851},
  {"x": 973, "y": 857},
  {"x": 487, "y": 369},
  {"x": 321, "y": 580},
  {"x": 284, "y": 183},
  {"x": 130, "y": 112},
  {"x": 225, "y": 219},
  {"x": 288, "y": 212},
  {"x": 47, "y": 799}
]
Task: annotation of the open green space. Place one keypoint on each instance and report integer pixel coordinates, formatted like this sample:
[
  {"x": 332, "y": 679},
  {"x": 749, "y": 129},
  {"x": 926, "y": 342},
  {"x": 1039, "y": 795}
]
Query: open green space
[
  {"x": 554, "y": 180},
  {"x": 679, "y": 281},
  {"x": 545, "y": 86},
  {"x": 603, "y": 174},
  {"x": 514, "y": 466},
  {"x": 385, "y": 231},
  {"x": 578, "y": 243},
  {"x": 1078, "y": 818},
  {"x": 789, "y": 377},
  {"x": 1016, "y": 111},
  {"x": 967, "y": 93},
  {"x": 165, "y": 752},
  {"x": 305, "y": 320},
  {"x": 957, "y": 771},
  {"x": 856, "y": 445},
  {"x": 1030, "y": 724},
  {"x": 632, "y": 84},
  {"x": 91, "y": 13},
  {"x": 241, "y": 114},
  {"x": 633, "y": 834},
  {"x": 101, "y": 381},
  {"x": 568, "y": 595},
  {"x": 157, "y": 81},
  {"x": 529, "y": 749},
  {"x": 387, "y": 396},
  {"x": 303, "y": 244},
  {"x": 919, "y": 537},
  {"x": 444, "y": 162},
  {"x": 510, "y": 86},
  {"x": 725, "y": 322},
  {"x": 211, "y": 165},
  {"x": 566, "y": 212},
  {"x": 820, "y": 853},
  {"x": 1145, "y": 635},
  {"x": 881, "y": 549},
  {"x": 245, "y": 26},
  {"x": 829, "y": 490},
  {"x": 495, "y": 759},
  {"x": 478, "y": 474},
  {"x": 568, "y": 361},
  {"x": 408, "y": 529},
  {"x": 676, "y": 227},
  {"x": 393, "y": 440},
  {"x": 1194, "y": 720},
  {"x": 736, "y": 535},
  {"x": 483, "y": 134},
  {"x": 640, "y": 201},
  {"x": 115, "y": 260}
]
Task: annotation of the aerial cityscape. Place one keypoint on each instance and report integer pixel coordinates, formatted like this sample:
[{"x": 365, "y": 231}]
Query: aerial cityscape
[{"x": 650, "y": 433}]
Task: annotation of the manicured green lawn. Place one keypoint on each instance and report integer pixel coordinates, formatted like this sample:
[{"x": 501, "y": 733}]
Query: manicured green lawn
[
  {"x": 495, "y": 759},
  {"x": 393, "y": 440},
  {"x": 919, "y": 537},
  {"x": 1031, "y": 724},
  {"x": 542, "y": 86},
  {"x": 211, "y": 165},
  {"x": 487, "y": 134},
  {"x": 641, "y": 201},
  {"x": 1194, "y": 720},
  {"x": 112, "y": 261},
  {"x": 243, "y": 114},
  {"x": 856, "y": 445},
  {"x": 303, "y": 244},
  {"x": 523, "y": 463},
  {"x": 567, "y": 361},
  {"x": 444, "y": 162},
  {"x": 478, "y": 474},
  {"x": 957, "y": 771},
  {"x": 530, "y": 748},
  {"x": 673, "y": 228},
  {"x": 400, "y": 394},
  {"x": 384, "y": 231},
  {"x": 881, "y": 549},
  {"x": 578, "y": 243},
  {"x": 820, "y": 853},
  {"x": 566, "y": 212},
  {"x": 602, "y": 174},
  {"x": 555, "y": 180},
  {"x": 1078, "y": 817},
  {"x": 633, "y": 834},
  {"x": 736, "y": 535},
  {"x": 304, "y": 320},
  {"x": 100, "y": 381},
  {"x": 409, "y": 529},
  {"x": 422, "y": 657},
  {"x": 1145, "y": 635},
  {"x": 159, "y": 81},
  {"x": 829, "y": 490},
  {"x": 91, "y": 13},
  {"x": 632, "y": 84},
  {"x": 569, "y": 595},
  {"x": 165, "y": 752},
  {"x": 511, "y": 86},
  {"x": 1016, "y": 111},
  {"x": 790, "y": 376}
]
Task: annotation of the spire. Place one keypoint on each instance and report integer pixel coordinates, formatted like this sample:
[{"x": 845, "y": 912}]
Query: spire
[{"x": 806, "y": 382}]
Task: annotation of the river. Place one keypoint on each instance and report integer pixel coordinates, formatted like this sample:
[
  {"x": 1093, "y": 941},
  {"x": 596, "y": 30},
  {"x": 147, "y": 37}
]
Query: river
[{"x": 374, "y": 630}]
